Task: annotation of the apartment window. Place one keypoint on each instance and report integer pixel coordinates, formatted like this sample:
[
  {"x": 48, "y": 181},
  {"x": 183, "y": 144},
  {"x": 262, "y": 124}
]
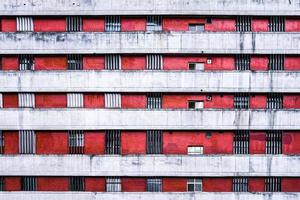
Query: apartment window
[
  {"x": 274, "y": 142},
  {"x": 74, "y": 24},
  {"x": 113, "y": 142},
  {"x": 241, "y": 101},
  {"x": 242, "y": 62},
  {"x": 154, "y": 100},
  {"x": 113, "y": 184},
  {"x": 154, "y": 62},
  {"x": 76, "y": 183},
  {"x": 154, "y": 184},
  {"x": 243, "y": 23},
  {"x": 274, "y": 101},
  {"x": 74, "y": 100},
  {"x": 276, "y": 62},
  {"x": 26, "y": 100},
  {"x": 1, "y": 100},
  {"x": 273, "y": 184},
  {"x": 1, "y": 183},
  {"x": 24, "y": 23},
  {"x": 26, "y": 62},
  {"x": 154, "y": 23},
  {"x": 195, "y": 105},
  {"x": 112, "y": 100},
  {"x": 196, "y": 27},
  {"x": 194, "y": 150},
  {"x": 112, "y": 23},
  {"x": 76, "y": 142},
  {"x": 241, "y": 142},
  {"x": 240, "y": 184},
  {"x": 1, "y": 142},
  {"x": 154, "y": 142},
  {"x": 75, "y": 62},
  {"x": 112, "y": 62},
  {"x": 28, "y": 184},
  {"x": 196, "y": 66},
  {"x": 194, "y": 185},
  {"x": 27, "y": 142},
  {"x": 276, "y": 24}
]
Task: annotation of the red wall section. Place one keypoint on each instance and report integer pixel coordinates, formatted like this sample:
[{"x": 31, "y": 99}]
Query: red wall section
[
  {"x": 290, "y": 184},
  {"x": 257, "y": 142},
  {"x": 93, "y": 24},
  {"x": 291, "y": 142},
  {"x": 94, "y": 142},
  {"x": 11, "y": 142},
  {"x": 177, "y": 142},
  {"x": 180, "y": 23},
  {"x": 221, "y": 63},
  {"x": 260, "y": 25},
  {"x": 221, "y": 25},
  {"x": 50, "y": 62},
  {"x": 259, "y": 63},
  {"x": 50, "y": 24},
  {"x": 292, "y": 25},
  {"x": 10, "y": 100},
  {"x": 10, "y": 63},
  {"x": 256, "y": 184},
  {"x": 52, "y": 184},
  {"x": 217, "y": 184},
  {"x": 8, "y": 25},
  {"x": 258, "y": 101},
  {"x": 133, "y": 24},
  {"x": 93, "y": 62},
  {"x": 174, "y": 185},
  {"x": 94, "y": 100},
  {"x": 52, "y": 142},
  {"x": 291, "y": 101},
  {"x": 133, "y": 142},
  {"x": 134, "y": 101},
  {"x": 133, "y": 62},
  {"x": 94, "y": 184},
  {"x": 134, "y": 185},
  {"x": 12, "y": 184},
  {"x": 50, "y": 100},
  {"x": 292, "y": 63}
]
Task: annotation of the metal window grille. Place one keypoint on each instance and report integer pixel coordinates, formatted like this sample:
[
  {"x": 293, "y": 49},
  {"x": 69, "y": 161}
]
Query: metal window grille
[
  {"x": 112, "y": 23},
  {"x": 26, "y": 62},
  {"x": 76, "y": 141},
  {"x": 113, "y": 142},
  {"x": 75, "y": 62},
  {"x": 1, "y": 100},
  {"x": 113, "y": 62},
  {"x": 74, "y": 24},
  {"x": 195, "y": 150},
  {"x": 154, "y": 100},
  {"x": 242, "y": 62},
  {"x": 113, "y": 184},
  {"x": 74, "y": 100},
  {"x": 241, "y": 101},
  {"x": 76, "y": 183},
  {"x": 276, "y": 62},
  {"x": 196, "y": 27},
  {"x": 194, "y": 185},
  {"x": 27, "y": 142},
  {"x": 195, "y": 105},
  {"x": 154, "y": 184},
  {"x": 24, "y": 23},
  {"x": 274, "y": 142},
  {"x": 276, "y": 24},
  {"x": 154, "y": 62},
  {"x": 26, "y": 100},
  {"x": 240, "y": 184},
  {"x": 274, "y": 101},
  {"x": 112, "y": 100},
  {"x": 1, "y": 183},
  {"x": 243, "y": 23},
  {"x": 196, "y": 66},
  {"x": 1, "y": 142},
  {"x": 241, "y": 142},
  {"x": 154, "y": 23},
  {"x": 273, "y": 184},
  {"x": 154, "y": 142},
  {"x": 28, "y": 184}
]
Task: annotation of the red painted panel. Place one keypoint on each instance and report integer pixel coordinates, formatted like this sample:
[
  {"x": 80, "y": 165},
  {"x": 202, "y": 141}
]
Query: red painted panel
[
  {"x": 93, "y": 24},
  {"x": 290, "y": 184},
  {"x": 221, "y": 63},
  {"x": 50, "y": 24},
  {"x": 257, "y": 142},
  {"x": 217, "y": 184},
  {"x": 134, "y": 185},
  {"x": 259, "y": 63},
  {"x": 50, "y": 63},
  {"x": 258, "y": 101},
  {"x": 94, "y": 100},
  {"x": 10, "y": 63},
  {"x": 12, "y": 184},
  {"x": 11, "y": 142},
  {"x": 10, "y": 100},
  {"x": 260, "y": 25},
  {"x": 133, "y": 142},
  {"x": 180, "y": 23},
  {"x": 256, "y": 184},
  {"x": 93, "y": 62},
  {"x": 52, "y": 142},
  {"x": 178, "y": 142},
  {"x": 133, "y": 62},
  {"x": 134, "y": 101},
  {"x": 52, "y": 184},
  {"x": 291, "y": 142},
  {"x": 94, "y": 142},
  {"x": 95, "y": 184},
  {"x": 50, "y": 100},
  {"x": 292, "y": 25},
  {"x": 8, "y": 25},
  {"x": 174, "y": 185},
  {"x": 133, "y": 24},
  {"x": 291, "y": 101},
  {"x": 221, "y": 25},
  {"x": 292, "y": 63}
]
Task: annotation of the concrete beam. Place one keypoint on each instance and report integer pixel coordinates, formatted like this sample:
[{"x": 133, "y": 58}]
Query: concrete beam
[
  {"x": 149, "y": 81},
  {"x": 149, "y": 7},
  {"x": 146, "y": 42},
  {"x": 144, "y": 119},
  {"x": 150, "y": 165}
]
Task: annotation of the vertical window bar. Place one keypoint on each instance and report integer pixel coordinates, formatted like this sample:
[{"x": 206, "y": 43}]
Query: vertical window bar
[
  {"x": 154, "y": 23},
  {"x": 277, "y": 24},
  {"x": 113, "y": 62},
  {"x": 112, "y": 100},
  {"x": 154, "y": 62},
  {"x": 272, "y": 184},
  {"x": 243, "y": 23},
  {"x": 276, "y": 62},
  {"x": 113, "y": 142},
  {"x": 76, "y": 183},
  {"x": 274, "y": 101},
  {"x": 1, "y": 144},
  {"x": 26, "y": 62},
  {"x": 76, "y": 141},
  {"x": 274, "y": 142},
  {"x": 2, "y": 183},
  {"x": 112, "y": 23},
  {"x": 154, "y": 142},
  {"x": 241, "y": 101},
  {"x": 113, "y": 184},
  {"x": 75, "y": 62},
  {"x": 27, "y": 142},
  {"x": 242, "y": 62},
  {"x": 240, "y": 184},
  {"x": 75, "y": 100},
  {"x": 154, "y": 100},
  {"x": 241, "y": 142},
  {"x": 74, "y": 24},
  {"x": 28, "y": 184},
  {"x": 154, "y": 184},
  {"x": 24, "y": 23}
]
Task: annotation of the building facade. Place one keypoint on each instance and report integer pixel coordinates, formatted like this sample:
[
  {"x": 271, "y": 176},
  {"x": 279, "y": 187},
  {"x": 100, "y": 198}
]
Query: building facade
[{"x": 149, "y": 99}]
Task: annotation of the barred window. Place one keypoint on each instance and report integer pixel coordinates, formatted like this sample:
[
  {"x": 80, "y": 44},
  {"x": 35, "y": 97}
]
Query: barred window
[
  {"x": 194, "y": 185},
  {"x": 274, "y": 142},
  {"x": 243, "y": 23},
  {"x": 113, "y": 142},
  {"x": 1, "y": 100},
  {"x": 241, "y": 142},
  {"x": 113, "y": 184},
  {"x": 196, "y": 66},
  {"x": 26, "y": 62},
  {"x": 2, "y": 187},
  {"x": 195, "y": 105},
  {"x": 112, "y": 23},
  {"x": 195, "y": 150},
  {"x": 113, "y": 62},
  {"x": 74, "y": 24},
  {"x": 277, "y": 24},
  {"x": 1, "y": 142},
  {"x": 273, "y": 184},
  {"x": 154, "y": 184},
  {"x": 76, "y": 183},
  {"x": 241, "y": 101},
  {"x": 242, "y": 62},
  {"x": 154, "y": 62},
  {"x": 27, "y": 142},
  {"x": 75, "y": 62},
  {"x": 274, "y": 101},
  {"x": 154, "y": 100},
  {"x": 154, "y": 142},
  {"x": 154, "y": 23},
  {"x": 74, "y": 100},
  {"x": 26, "y": 100},
  {"x": 240, "y": 184},
  {"x": 24, "y": 23},
  {"x": 196, "y": 27},
  {"x": 28, "y": 184},
  {"x": 76, "y": 141},
  {"x": 112, "y": 100},
  {"x": 276, "y": 62}
]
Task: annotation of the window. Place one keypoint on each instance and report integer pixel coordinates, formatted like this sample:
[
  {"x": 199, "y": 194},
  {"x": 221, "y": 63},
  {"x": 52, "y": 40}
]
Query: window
[
  {"x": 74, "y": 100},
  {"x": 241, "y": 101},
  {"x": 28, "y": 184},
  {"x": 74, "y": 24},
  {"x": 76, "y": 142},
  {"x": 274, "y": 142},
  {"x": 154, "y": 23},
  {"x": 241, "y": 142},
  {"x": 154, "y": 62},
  {"x": 112, "y": 62},
  {"x": 24, "y": 23},
  {"x": 26, "y": 62},
  {"x": 113, "y": 142},
  {"x": 1, "y": 183},
  {"x": 112, "y": 23},
  {"x": 242, "y": 62},
  {"x": 154, "y": 142},
  {"x": 276, "y": 24},
  {"x": 196, "y": 66},
  {"x": 1, "y": 100},
  {"x": 195, "y": 105},
  {"x": 273, "y": 184},
  {"x": 195, "y": 150},
  {"x": 194, "y": 185},
  {"x": 243, "y": 23},
  {"x": 76, "y": 183},
  {"x": 26, "y": 100},
  {"x": 208, "y": 20},
  {"x": 196, "y": 27},
  {"x": 1, "y": 142},
  {"x": 112, "y": 100},
  {"x": 240, "y": 184},
  {"x": 274, "y": 101},
  {"x": 154, "y": 184},
  {"x": 113, "y": 184},
  {"x": 154, "y": 100},
  {"x": 75, "y": 62},
  {"x": 27, "y": 142},
  {"x": 276, "y": 62}
]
